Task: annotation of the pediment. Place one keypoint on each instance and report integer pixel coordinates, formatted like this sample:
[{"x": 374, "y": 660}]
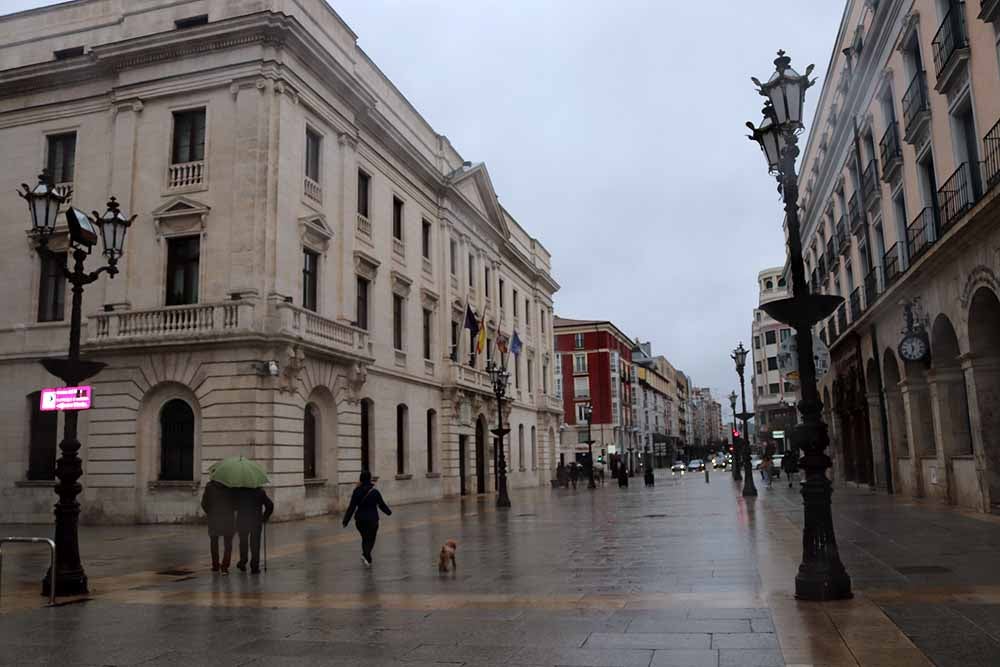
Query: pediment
[
  {"x": 315, "y": 233},
  {"x": 178, "y": 206},
  {"x": 180, "y": 215},
  {"x": 475, "y": 187}
]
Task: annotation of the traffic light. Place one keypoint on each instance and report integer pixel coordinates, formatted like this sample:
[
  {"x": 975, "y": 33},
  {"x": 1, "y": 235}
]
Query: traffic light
[{"x": 600, "y": 458}]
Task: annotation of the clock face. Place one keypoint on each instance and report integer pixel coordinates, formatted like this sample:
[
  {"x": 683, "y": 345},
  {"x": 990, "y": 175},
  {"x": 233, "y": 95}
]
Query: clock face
[{"x": 913, "y": 348}]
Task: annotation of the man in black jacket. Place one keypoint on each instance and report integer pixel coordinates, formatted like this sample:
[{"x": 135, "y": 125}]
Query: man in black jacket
[
  {"x": 253, "y": 508},
  {"x": 366, "y": 501}
]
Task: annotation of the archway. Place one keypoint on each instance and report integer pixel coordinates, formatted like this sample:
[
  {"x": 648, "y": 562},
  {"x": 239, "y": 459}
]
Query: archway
[
  {"x": 481, "y": 455},
  {"x": 176, "y": 441},
  {"x": 984, "y": 347},
  {"x": 950, "y": 405},
  {"x": 320, "y": 450}
]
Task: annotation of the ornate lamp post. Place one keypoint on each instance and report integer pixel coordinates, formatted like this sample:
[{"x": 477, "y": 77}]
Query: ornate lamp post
[
  {"x": 740, "y": 357},
  {"x": 43, "y": 204},
  {"x": 500, "y": 377},
  {"x": 737, "y": 452},
  {"x": 821, "y": 574},
  {"x": 588, "y": 412}
]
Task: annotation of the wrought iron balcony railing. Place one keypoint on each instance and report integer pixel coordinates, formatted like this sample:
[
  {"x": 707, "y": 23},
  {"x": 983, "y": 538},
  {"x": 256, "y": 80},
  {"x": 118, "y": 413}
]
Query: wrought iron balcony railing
[
  {"x": 831, "y": 253},
  {"x": 950, "y": 37},
  {"x": 856, "y": 307},
  {"x": 991, "y": 165},
  {"x": 920, "y": 234},
  {"x": 890, "y": 262},
  {"x": 843, "y": 239},
  {"x": 873, "y": 286},
  {"x": 870, "y": 189},
  {"x": 821, "y": 266},
  {"x": 842, "y": 318},
  {"x": 957, "y": 195},
  {"x": 889, "y": 151},
  {"x": 915, "y": 102}
]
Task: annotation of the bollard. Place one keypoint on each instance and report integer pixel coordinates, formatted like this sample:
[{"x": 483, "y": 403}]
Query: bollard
[
  {"x": 706, "y": 475},
  {"x": 52, "y": 560}
]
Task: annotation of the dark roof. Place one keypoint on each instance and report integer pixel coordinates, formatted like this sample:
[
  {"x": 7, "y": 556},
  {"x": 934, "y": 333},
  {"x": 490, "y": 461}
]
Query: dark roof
[{"x": 567, "y": 322}]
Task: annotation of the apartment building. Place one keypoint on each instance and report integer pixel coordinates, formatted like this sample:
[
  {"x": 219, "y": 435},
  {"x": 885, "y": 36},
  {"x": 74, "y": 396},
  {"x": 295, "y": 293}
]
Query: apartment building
[
  {"x": 595, "y": 366},
  {"x": 296, "y": 280},
  {"x": 774, "y": 394},
  {"x": 655, "y": 413},
  {"x": 900, "y": 208}
]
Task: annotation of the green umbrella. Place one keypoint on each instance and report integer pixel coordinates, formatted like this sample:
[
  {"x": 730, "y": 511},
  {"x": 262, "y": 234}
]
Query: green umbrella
[{"x": 238, "y": 472}]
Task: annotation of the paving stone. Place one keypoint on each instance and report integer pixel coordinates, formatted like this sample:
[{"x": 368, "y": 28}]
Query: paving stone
[
  {"x": 648, "y": 640},
  {"x": 685, "y": 658},
  {"x": 761, "y": 625},
  {"x": 585, "y": 657},
  {"x": 687, "y": 625},
  {"x": 750, "y": 658},
  {"x": 744, "y": 640}
]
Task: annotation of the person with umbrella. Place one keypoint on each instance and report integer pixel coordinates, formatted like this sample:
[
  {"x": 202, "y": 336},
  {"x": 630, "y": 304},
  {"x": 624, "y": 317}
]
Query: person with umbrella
[
  {"x": 245, "y": 479},
  {"x": 366, "y": 501},
  {"x": 217, "y": 501}
]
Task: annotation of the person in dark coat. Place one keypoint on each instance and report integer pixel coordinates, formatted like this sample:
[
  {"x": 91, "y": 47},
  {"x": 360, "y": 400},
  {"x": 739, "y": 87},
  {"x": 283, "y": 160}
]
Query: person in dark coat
[
  {"x": 622, "y": 476},
  {"x": 574, "y": 474},
  {"x": 648, "y": 476},
  {"x": 366, "y": 501},
  {"x": 253, "y": 508},
  {"x": 217, "y": 501}
]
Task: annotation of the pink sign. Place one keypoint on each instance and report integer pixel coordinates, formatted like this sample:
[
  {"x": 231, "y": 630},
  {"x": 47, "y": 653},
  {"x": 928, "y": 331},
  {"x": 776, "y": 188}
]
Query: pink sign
[{"x": 65, "y": 398}]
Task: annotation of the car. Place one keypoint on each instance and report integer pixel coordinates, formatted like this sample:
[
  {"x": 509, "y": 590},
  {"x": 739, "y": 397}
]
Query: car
[
  {"x": 678, "y": 467},
  {"x": 696, "y": 465},
  {"x": 719, "y": 462}
]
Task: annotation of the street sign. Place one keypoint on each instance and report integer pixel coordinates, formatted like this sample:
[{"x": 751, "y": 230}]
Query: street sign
[
  {"x": 778, "y": 435},
  {"x": 65, "y": 398}
]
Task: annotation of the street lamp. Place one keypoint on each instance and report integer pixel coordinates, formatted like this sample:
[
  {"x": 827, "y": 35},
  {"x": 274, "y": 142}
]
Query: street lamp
[
  {"x": 740, "y": 357},
  {"x": 821, "y": 574},
  {"x": 737, "y": 473},
  {"x": 588, "y": 412},
  {"x": 500, "y": 377},
  {"x": 43, "y": 205}
]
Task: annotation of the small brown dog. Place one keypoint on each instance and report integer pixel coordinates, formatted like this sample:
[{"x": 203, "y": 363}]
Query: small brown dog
[{"x": 447, "y": 554}]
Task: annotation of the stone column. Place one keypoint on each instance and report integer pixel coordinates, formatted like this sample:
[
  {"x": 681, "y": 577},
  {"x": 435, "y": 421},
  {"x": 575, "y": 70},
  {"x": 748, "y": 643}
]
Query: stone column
[
  {"x": 919, "y": 428},
  {"x": 875, "y": 427},
  {"x": 951, "y": 423},
  {"x": 982, "y": 382},
  {"x": 123, "y": 157},
  {"x": 346, "y": 223}
]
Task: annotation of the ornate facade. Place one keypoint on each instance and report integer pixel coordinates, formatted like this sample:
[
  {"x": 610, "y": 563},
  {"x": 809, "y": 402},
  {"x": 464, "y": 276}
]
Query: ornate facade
[{"x": 295, "y": 283}]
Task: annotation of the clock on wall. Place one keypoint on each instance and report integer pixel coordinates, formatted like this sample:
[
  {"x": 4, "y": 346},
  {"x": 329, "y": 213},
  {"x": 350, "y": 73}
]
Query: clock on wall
[{"x": 913, "y": 347}]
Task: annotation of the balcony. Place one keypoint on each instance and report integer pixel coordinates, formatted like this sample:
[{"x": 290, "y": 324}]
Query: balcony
[
  {"x": 831, "y": 253},
  {"x": 957, "y": 195},
  {"x": 186, "y": 175},
  {"x": 831, "y": 330},
  {"x": 821, "y": 266},
  {"x": 63, "y": 189},
  {"x": 843, "y": 239},
  {"x": 889, "y": 152},
  {"x": 871, "y": 190},
  {"x": 842, "y": 318},
  {"x": 989, "y": 10},
  {"x": 873, "y": 286},
  {"x": 991, "y": 146},
  {"x": 916, "y": 109},
  {"x": 950, "y": 46},
  {"x": 364, "y": 226},
  {"x": 312, "y": 190},
  {"x": 920, "y": 234},
  {"x": 465, "y": 376},
  {"x": 855, "y": 304},
  {"x": 890, "y": 264},
  {"x": 398, "y": 247}
]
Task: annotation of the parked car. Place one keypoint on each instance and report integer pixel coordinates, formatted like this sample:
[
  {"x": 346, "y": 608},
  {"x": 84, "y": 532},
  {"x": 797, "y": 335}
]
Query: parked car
[
  {"x": 696, "y": 465},
  {"x": 719, "y": 462},
  {"x": 678, "y": 467}
]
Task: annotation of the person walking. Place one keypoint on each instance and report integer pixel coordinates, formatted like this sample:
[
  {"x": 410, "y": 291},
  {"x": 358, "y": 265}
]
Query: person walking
[
  {"x": 561, "y": 475},
  {"x": 366, "y": 501},
  {"x": 574, "y": 473},
  {"x": 253, "y": 509},
  {"x": 217, "y": 501},
  {"x": 790, "y": 466},
  {"x": 765, "y": 470}
]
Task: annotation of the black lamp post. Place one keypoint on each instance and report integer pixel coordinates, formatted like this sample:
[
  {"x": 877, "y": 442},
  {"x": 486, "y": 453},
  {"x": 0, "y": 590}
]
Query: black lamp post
[
  {"x": 821, "y": 574},
  {"x": 43, "y": 204},
  {"x": 737, "y": 447},
  {"x": 500, "y": 377},
  {"x": 588, "y": 412},
  {"x": 740, "y": 357}
]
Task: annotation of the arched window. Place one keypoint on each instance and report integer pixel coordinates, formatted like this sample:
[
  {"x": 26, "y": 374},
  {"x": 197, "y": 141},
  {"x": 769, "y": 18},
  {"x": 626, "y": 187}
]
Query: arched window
[
  {"x": 401, "y": 417},
  {"x": 768, "y": 285},
  {"x": 176, "y": 441},
  {"x": 310, "y": 436},
  {"x": 431, "y": 439},
  {"x": 520, "y": 446},
  {"x": 366, "y": 434},
  {"x": 42, "y": 439},
  {"x": 534, "y": 450}
]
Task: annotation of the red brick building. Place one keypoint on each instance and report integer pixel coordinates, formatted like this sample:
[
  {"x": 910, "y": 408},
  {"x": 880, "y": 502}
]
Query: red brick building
[{"x": 594, "y": 366}]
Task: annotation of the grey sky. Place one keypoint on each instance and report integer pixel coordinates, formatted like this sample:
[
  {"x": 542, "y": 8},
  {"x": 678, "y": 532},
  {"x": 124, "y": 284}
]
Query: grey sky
[{"x": 614, "y": 133}]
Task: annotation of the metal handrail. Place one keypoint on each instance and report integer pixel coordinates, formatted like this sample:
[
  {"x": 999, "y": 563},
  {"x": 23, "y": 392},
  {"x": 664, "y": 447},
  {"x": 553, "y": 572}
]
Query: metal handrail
[
  {"x": 915, "y": 99},
  {"x": 991, "y": 165},
  {"x": 889, "y": 150},
  {"x": 950, "y": 37},
  {"x": 52, "y": 561}
]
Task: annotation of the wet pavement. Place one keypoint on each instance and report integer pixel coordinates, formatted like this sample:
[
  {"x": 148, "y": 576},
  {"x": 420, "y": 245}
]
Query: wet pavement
[{"x": 684, "y": 574}]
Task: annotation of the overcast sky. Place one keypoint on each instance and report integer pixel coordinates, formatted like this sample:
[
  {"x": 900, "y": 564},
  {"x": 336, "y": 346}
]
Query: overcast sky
[{"x": 614, "y": 134}]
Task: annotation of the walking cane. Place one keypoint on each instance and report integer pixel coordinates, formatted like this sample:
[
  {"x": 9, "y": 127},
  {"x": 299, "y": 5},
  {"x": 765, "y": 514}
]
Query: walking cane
[{"x": 264, "y": 539}]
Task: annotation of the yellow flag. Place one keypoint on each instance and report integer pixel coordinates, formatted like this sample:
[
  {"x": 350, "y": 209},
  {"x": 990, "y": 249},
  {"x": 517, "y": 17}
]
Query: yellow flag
[{"x": 481, "y": 341}]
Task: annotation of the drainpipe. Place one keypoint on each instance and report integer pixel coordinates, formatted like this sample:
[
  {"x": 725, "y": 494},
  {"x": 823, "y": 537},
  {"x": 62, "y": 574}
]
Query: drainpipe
[{"x": 886, "y": 451}]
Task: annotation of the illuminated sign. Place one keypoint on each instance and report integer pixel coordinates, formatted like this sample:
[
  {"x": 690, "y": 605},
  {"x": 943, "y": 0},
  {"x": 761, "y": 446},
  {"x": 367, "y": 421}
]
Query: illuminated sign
[
  {"x": 778, "y": 435},
  {"x": 65, "y": 398}
]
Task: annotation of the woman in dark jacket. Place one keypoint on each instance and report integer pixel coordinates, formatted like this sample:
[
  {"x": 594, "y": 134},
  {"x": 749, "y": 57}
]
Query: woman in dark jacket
[
  {"x": 217, "y": 501},
  {"x": 366, "y": 501}
]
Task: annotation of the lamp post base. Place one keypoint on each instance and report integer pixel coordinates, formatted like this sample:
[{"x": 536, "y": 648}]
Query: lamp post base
[
  {"x": 821, "y": 585},
  {"x": 67, "y": 583}
]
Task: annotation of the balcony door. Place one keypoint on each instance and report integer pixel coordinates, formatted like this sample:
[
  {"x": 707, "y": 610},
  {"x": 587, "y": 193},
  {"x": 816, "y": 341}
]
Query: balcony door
[{"x": 183, "y": 266}]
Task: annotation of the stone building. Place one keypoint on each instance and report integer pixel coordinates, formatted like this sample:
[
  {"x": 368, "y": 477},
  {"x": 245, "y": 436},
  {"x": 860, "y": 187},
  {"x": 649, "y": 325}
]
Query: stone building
[
  {"x": 900, "y": 208},
  {"x": 292, "y": 207},
  {"x": 774, "y": 394},
  {"x": 653, "y": 398}
]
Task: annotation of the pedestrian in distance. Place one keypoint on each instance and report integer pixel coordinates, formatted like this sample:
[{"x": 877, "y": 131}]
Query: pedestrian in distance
[
  {"x": 562, "y": 476},
  {"x": 765, "y": 470},
  {"x": 253, "y": 509},
  {"x": 574, "y": 474},
  {"x": 366, "y": 501},
  {"x": 648, "y": 476},
  {"x": 622, "y": 476},
  {"x": 790, "y": 466},
  {"x": 217, "y": 501}
]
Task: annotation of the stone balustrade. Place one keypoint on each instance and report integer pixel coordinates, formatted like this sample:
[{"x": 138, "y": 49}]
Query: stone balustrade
[
  {"x": 166, "y": 322},
  {"x": 185, "y": 174}
]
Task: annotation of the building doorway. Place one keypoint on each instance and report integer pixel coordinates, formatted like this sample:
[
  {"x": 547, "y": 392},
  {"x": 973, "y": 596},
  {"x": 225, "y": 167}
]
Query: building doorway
[
  {"x": 480, "y": 455},
  {"x": 462, "y": 443}
]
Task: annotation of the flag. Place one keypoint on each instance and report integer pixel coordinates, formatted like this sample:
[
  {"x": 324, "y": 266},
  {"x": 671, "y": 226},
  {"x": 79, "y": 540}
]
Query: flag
[
  {"x": 481, "y": 341},
  {"x": 470, "y": 321},
  {"x": 515, "y": 344},
  {"x": 502, "y": 342}
]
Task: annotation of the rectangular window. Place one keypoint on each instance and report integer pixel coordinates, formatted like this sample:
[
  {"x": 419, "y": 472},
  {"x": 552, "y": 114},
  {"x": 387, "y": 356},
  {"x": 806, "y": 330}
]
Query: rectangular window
[
  {"x": 397, "y": 321},
  {"x": 364, "y": 183},
  {"x": 189, "y": 136},
  {"x": 542, "y": 320},
  {"x": 785, "y": 334},
  {"x": 577, "y": 341},
  {"x": 789, "y": 388},
  {"x": 313, "y": 143},
  {"x": 453, "y": 257},
  {"x": 581, "y": 416},
  {"x": 581, "y": 387},
  {"x": 71, "y": 52},
  {"x": 425, "y": 239},
  {"x": 760, "y": 367},
  {"x": 427, "y": 334},
  {"x": 42, "y": 440},
  {"x": 772, "y": 363},
  {"x": 489, "y": 349},
  {"x": 183, "y": 259},
  {"x": 773, "y": 388},
  {"x": 527, "y": 314},
  {"x": 770, "y": 338},
  {"x": 500, "y": 296},
  {"x": 397, "y": 218},
  {"x": 401, "y": 415},
  {"x": 514, "y": 302},
  {"x": 310, "y": 269},
  {"x": 530, "y": 371},
  {"x": 545, "y": 378},
  {"x": 52, "y": 288},
  {"x": 756, "y": 342},
  {"x": 455, "y": 328},
  {"x": 486, "y": 280},
  {"x": 579, "y": 363},
  {"x": 472, "y": 271},
  {"x": 517, "y": 373},
  {"x": 61, "y": 157},
  {"x": 362, "y": 304},
  {"x": 191, "y": 21},
  {"x": 559, "y": 388}
]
